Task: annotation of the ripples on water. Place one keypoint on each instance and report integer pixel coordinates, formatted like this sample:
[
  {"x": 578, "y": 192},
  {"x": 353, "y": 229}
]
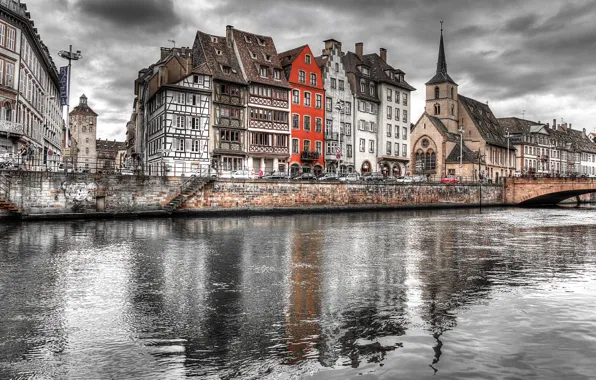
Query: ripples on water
[{"x": 507, "y": 293}]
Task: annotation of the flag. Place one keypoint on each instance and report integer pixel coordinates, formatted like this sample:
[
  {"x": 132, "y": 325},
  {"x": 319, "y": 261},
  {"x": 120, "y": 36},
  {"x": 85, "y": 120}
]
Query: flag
[{"x": 63, "y": 78}]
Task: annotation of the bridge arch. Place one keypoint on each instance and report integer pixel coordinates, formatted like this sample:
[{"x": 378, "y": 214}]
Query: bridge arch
[{"x": 546, "y": 191}]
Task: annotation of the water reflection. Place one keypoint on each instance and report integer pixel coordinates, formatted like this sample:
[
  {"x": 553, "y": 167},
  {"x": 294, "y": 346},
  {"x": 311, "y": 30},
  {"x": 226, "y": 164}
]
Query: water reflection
[{"x": 384, "y": 294}]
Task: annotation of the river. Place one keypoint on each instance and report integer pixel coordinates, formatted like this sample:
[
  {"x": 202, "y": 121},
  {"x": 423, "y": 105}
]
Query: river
[{"x": 452, "y": 294}]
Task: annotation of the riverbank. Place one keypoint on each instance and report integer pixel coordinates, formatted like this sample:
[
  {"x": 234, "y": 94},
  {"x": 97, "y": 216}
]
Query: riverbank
[{"x": 42, "y": 196}]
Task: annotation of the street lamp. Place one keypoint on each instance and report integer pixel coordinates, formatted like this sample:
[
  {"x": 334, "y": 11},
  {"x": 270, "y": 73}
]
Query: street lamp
[
  {"x": 508, "y": 155},
  {"x": 461, "y": 149},
  {"x": 70, "y": 56}
]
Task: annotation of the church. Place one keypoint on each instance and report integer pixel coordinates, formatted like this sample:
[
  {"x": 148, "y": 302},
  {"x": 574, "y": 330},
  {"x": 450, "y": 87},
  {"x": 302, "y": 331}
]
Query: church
[{"x": 457, "y": 135}]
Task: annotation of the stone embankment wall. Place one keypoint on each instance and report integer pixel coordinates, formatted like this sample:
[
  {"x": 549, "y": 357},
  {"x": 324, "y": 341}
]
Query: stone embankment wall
[{"x": 53, "y": 194}]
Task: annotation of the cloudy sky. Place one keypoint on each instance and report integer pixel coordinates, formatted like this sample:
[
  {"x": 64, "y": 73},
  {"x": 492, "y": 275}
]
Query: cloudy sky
[{"x": 536, "y": 56}]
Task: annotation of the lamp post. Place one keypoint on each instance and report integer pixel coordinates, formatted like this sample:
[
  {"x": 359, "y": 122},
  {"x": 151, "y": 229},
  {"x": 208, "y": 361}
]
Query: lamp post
[
  {"x": 70, "y": 56},
  {"x": 508, "y": 135},
  {"x": 461, "y": 148}
]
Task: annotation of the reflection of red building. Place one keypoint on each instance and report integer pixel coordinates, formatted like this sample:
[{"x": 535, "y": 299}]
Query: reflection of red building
[{"x": 308, "y": 110}]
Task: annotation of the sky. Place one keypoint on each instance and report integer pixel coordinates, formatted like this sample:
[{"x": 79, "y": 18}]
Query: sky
[{"x": 534, "y": 58}]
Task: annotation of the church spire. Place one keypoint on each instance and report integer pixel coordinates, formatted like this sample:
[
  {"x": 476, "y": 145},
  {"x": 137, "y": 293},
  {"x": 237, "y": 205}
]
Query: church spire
[
  {"x": 441, "y": 75},
  {"x": 442, "y": 62}
]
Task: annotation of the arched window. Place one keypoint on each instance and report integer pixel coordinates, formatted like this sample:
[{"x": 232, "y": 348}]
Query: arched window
[
  {"x": 419, "y": 160},
  {"x": 427, "y": 161},
  {"x": 433, "y": 161},
  {"x": 453, "y": 109},
  {"x": 437, "y": 109},
  {"x": 452, "y": 92},
  {"x": 437, "y": 92},
  {"x": 7, "y": 111}
]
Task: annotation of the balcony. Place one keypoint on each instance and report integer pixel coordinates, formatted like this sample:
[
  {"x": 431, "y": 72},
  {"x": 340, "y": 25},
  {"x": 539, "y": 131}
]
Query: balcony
[
  {"x": 11, "y": 127},
  {"x": 309, "y": 156}
]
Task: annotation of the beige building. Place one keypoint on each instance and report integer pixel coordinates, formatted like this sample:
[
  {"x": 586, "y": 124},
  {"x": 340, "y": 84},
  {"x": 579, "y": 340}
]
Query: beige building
[
  {"x": 83, "y": 129},
  {"x": 457, "y": 135}
]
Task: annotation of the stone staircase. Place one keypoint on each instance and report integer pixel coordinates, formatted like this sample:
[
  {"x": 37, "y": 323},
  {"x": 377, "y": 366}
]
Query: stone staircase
[
  {"x": 188, "y": 189},
  {"x": 4, "y": 193}
]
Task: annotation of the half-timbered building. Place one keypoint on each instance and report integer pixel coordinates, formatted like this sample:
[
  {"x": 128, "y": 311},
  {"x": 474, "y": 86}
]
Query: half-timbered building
[
  {"x": 177, "y": 109},
  {"x": 268, "y": 101},
  {"x": 228, "y": 140}
]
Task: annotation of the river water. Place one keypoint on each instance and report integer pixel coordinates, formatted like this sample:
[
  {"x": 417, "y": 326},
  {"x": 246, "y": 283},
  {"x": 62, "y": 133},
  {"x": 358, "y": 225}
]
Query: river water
[{"x": 497, "y": 294}]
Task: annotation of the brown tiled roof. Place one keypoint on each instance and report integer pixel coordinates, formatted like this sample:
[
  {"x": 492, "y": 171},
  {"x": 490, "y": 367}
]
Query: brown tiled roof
[
  {"x": 468, "y": 156},
  {"x": 83, "y": 109},
  {"x": 321, "y": 61},
  {"x": 351, "y": 62},
  {"x": 378, "y": 69},
  {"x": 107, "y": 145},
  {"x": 516, "y": 125},
  {"x": 288, "y": 57},
  {"x": 253, "y": 51},
  {"x": 484, "y": 120},
  {"x": 214, "y": 53}
]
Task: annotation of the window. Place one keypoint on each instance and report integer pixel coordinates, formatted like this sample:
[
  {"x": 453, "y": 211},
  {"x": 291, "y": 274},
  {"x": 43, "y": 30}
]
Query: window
[
  {"x": 389, "y": 113},
  {"x": 328, "y": 104},
  {"x": 307, "y": 145},
  {"x": 368, "y": 107},
  {"x": 302, "y": 76},
  {"x": 307, "y": 123},
  {"x": 1, "y": 72},
  {"x": 453, "y": 109},
  {"x": 307, "y": 58},
  {"x": 295, "y": 146},
  {"x": 180, "y": 145},
  {"x": 261, "y": 41},
  {"x": 405, "y": 114},
  {"x": 396, "y": 149},
  {"x": 452, "y": 93},
  {"x": 295, "y": 121},
  {"x": 318, "y": 125},
  {"x": 405, "y": 99},
  {"x": 437, "y": 92},
  {"x": 397, "y": 97},
  {"x": 404, "y": 150},
  {"x": 313, "y": 79},
  {"x": 388, "y": 130},
  {"x": 328, "y": 125},
  {"x": 296, "y": 96},
  {"x": 319, "y": 147},
  {"x": 307, "y": 99},
  {"x": 437, "y": 109},
  {"x": 263, "y": 72},
  {"x": 229, "y": 136},
  {"x": 9, "y": 73},
  {"x": 195, "y": 123},
  {"x": 362, "y": 146},
  {"x": 389, "y": 95},
  {"x": 361, "y": 125},
  {"x": 371, "y": 146},
  {"x": 348, "y": 108},
  {"x": 372, "y": 127},
  {"x": 388, "y": 148},
  {"x": 365, "y": 70},
  {"x": 404, "y": 133},
  {"x": 348, "y": 129},
  {"x": 333, "y": 83},
  {"x": 2, "y": 33},
  {"x": 396, "y": 131},
  {"x": 180, "y": 122},
  {"x": 319, "y": 101},
  {"x": 362, "y": 86},
  {"x": 277, "y": 74},
  {"x": 397, "y": 114},
  {"x": 195, "y": 147},
  {"x": 349, "y": 150},
  {"x": 371, "y": 89},
  {"x": 341, "y": 85},
  {"x": 180, "y": 98}
]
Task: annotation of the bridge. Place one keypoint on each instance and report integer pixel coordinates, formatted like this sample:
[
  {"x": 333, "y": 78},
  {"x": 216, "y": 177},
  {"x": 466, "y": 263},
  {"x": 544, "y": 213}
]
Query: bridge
[{"x": 545, "y": 191}]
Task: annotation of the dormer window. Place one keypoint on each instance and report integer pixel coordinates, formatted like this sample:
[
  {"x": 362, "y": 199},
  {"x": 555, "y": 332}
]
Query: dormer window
[
  {"x": 371, "y": 89},
  {"x": 213, "y": 39},
  {"x": 218, "y": 52},
  {"x": 267, "y": 57},
  {"x": 277, "y": 74},
  {"x": 261, "y": 41},
  {"x": 364, "y": 70},
  {"x": 225, "y": 69},
  {"x": 362, "y": 86},
  {"x": 263, "y": 72},
  {"x": 252, "y": 55},
  {"x": 248, "y": 39}
]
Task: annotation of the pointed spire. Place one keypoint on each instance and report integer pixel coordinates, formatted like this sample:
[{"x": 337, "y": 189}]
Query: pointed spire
[
  {"x": 441, "y": 76},
  {"x": 442, "y": 62}
]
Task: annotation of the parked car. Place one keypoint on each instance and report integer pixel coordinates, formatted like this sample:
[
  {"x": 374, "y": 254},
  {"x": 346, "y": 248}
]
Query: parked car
[
  {"x": 374, "y": 176},
  {"x": 277, "y": 175},
  {"x": 241, "y": 174},
  {"x": 449, "y": 179},
  {"x": 404, "y": 180},
  {"x": 66, "y": 166},
  {"x": 328, "y": 177},
  {"x": 350, "y": 177},
  {"x": 305, "y": 177},
  {"x": 419, "y": 178},
  {"x": 126, "y": 171}
]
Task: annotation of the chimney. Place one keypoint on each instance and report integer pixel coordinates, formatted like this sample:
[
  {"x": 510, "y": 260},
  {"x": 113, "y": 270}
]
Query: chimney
[
  {"x": 359, "y": 49},
  {"x": 569, "y": 125},
  {"x": 383, "y": 54},
  {"x": 585, "y": 131},
  {"x": 229, "y": 35},
  {"x": 554, "y": 124}
]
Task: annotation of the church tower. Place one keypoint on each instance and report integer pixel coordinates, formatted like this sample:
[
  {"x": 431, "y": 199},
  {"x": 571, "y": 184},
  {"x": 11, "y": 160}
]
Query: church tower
[
  {"x": 83, "y": 125},
  {"x": 441, "y": 93}
]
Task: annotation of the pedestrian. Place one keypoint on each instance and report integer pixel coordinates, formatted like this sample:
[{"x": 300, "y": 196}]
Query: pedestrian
[{"x": 260, "y": 173}]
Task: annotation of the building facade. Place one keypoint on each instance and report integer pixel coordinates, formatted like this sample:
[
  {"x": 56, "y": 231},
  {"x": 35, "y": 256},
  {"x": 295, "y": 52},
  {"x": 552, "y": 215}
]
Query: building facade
[
  {"x": 457, "y": 135},
  {"x": 307, "y": 112},
  {"x": 228, "y": 140},
  {"x": 109, "y": 155},
  {"x": 339, "y": 109},
  {"x": 30, "y": 112},
  {"x": 83, "y": 129},
  {"x": 176, "y": 112}
]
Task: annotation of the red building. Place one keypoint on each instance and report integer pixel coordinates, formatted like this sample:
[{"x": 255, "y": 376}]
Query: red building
[{"x": 307, "y": 110}]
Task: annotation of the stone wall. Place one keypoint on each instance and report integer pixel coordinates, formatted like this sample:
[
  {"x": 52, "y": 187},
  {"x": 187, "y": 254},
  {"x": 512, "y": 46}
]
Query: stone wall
[{"x": 59, "y": 193}]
